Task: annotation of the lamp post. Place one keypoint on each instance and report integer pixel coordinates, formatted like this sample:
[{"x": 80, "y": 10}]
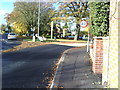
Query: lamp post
[
  {"x": 38, "y": 18},
  {"x": 51, "y": 30}
]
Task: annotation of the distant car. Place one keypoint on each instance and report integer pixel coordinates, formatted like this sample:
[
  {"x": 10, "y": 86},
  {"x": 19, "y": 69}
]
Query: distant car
[{"x": 12, "y": 36}]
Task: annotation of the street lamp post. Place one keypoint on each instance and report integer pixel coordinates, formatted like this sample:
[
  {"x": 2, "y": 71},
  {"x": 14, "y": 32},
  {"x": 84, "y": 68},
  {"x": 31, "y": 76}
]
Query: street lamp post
[
  {"x": 51, "y": 30},
  {"x": 38, "y": 18}
]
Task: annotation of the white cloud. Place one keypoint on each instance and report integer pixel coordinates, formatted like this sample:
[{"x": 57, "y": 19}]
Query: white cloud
[{"x": 3, "y": 12}]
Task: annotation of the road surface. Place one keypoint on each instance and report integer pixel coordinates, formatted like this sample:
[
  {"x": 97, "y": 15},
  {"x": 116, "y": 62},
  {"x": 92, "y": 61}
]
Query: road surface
[
  {"x": 4, "y": 36},
  {"x": 30, "y": 67},
  {"x": 7, "y": 44}
]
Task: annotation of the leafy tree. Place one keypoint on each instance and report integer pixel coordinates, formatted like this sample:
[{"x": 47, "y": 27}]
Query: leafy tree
[
  {"x": 75, "y": 10},
  {"x": 99, "y": 18},
  {"x": 20, "y": 28},
  {"x": 2, "y": 28},
  {"x": 25, "y": 16},
  {"x": 65, "y": 26},
  {"x": 83, "y": 33},
  {"x": 6, "y": 28}
]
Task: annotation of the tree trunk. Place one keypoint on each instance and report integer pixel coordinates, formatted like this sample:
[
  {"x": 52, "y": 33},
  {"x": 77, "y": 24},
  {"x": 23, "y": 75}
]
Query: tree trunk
[
  {"x": 77, "y": 32},
  {"x": 75, "y": 37}
]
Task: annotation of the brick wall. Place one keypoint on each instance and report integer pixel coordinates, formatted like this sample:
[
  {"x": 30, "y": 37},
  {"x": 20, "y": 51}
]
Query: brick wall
[
  {"x": 99, "y": 55},
  {"x": 97, "y": 58}
]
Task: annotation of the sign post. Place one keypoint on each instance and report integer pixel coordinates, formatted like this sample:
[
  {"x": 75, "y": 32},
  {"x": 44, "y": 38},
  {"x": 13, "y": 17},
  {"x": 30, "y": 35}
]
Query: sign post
[
  {"x": 88, "y": 42},
  {"x": 84, "y": 24}
]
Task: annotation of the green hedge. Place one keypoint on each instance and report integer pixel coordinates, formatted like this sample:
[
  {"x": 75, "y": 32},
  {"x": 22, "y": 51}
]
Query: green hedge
[{"x": 99, "y": 18}]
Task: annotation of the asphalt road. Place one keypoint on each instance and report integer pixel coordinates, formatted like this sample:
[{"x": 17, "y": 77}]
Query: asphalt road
[
  {"x": 4, "y": 36},
  {"x": 7, "y": 44},
  {"x": 30, "y": 67}
]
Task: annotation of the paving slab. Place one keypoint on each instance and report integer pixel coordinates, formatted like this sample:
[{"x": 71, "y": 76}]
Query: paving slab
[{"x": 75, "y": 71}]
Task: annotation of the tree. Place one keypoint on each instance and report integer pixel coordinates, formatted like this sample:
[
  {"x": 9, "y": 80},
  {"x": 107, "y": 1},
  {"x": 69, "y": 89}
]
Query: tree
[
  {"x": 99, "y": 18},
  {"x": 2, "y": 28},
  {"x": 6, "y": 28},
  {"x": 25, "y": 16},
  {"x": 76, "y": 10},
  {"x": 20, "y": 28}
]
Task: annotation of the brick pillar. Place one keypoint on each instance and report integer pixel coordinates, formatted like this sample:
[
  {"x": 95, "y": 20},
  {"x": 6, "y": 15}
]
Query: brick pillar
[{"x": 98, "y": 56}]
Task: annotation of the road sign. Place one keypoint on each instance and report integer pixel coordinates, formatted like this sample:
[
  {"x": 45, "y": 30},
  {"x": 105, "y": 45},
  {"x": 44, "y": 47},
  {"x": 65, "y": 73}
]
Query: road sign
[{"x": 83, "y": 23}]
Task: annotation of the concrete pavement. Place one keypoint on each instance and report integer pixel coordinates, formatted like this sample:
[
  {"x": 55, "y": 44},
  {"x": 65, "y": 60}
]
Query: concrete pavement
[{"x": 74, "y": 71}]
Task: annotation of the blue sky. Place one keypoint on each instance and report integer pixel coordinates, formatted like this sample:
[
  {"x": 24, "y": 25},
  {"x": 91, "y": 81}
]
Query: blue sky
[{"x": 6, "y": 6}]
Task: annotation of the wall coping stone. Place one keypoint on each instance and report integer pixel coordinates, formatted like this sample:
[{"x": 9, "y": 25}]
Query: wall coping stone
[{"x": 101, "y": 37}]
